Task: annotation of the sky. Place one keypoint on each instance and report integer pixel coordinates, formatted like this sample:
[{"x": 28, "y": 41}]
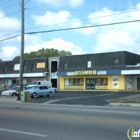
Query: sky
[{"x": 49, "y": 15}]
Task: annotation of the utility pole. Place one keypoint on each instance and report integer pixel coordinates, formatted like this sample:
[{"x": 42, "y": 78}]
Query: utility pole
[{"x": 22, "y": 50}]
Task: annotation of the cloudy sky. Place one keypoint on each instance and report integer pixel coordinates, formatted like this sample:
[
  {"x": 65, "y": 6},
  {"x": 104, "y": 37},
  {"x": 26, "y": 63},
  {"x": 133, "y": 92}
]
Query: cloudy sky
[{"x": 46, "y": 15}]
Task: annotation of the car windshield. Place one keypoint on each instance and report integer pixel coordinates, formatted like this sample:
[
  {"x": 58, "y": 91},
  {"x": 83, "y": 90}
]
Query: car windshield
[{"x": 14, "y": 88}]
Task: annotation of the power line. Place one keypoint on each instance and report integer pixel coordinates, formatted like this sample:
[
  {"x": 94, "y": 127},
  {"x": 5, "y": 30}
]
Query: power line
[
  {"x": 81, "y": 10},
  {"x": 10, "y": 5},
  {"x": 9, "y": 38},
  {"x": 85, "y": 19},
  {"x": 10, "y": 14},
  {"x": 64, "y": 45},
  {"x": 50, "y": 4},
  {"x": 6, "y": 2},
  {"x": 55, "y": 30},
  {"x": 66, "y": 29}
]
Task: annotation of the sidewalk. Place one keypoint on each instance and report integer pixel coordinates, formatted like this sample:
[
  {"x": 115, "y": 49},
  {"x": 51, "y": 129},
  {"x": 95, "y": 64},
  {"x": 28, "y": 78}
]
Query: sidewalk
[{"x": 12, "y": 99}]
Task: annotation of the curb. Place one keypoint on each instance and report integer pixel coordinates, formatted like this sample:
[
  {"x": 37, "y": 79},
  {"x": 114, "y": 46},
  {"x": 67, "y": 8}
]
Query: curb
[
  {"x": 9, "y": 99},
  {"x": 124, "y": 105}
]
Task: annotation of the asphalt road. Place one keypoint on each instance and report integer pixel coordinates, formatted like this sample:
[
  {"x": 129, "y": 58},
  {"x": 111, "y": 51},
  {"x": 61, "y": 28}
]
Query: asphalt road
[
  {"x": 60, "y": 122},
  {"x": 83, "y": 98},
  {"x": 80, "y": 98}
]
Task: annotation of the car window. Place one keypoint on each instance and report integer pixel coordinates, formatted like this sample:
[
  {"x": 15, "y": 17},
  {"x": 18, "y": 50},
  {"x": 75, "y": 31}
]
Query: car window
[
  {"x": 14, "y": 88},
  {"x": 41, "y": 87},
  {"x": 45, "y": 87}
]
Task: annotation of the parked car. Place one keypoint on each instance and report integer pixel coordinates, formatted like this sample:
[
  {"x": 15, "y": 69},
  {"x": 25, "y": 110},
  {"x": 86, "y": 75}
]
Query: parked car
[
  {"x": 37, "y": 91},
  {"x": 6, "y": 87},
  {"x": 53, "y": 88},
  {"x": 10, "y": 92}
]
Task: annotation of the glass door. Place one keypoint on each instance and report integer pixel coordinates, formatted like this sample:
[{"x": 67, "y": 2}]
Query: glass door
[{"x": 90, "y": 83}]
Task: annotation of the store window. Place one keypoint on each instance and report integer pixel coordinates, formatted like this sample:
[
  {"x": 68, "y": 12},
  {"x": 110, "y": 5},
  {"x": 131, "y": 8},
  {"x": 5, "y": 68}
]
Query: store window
[
  {"x": 96, "y": 83},
  {"x": 74, "y": 83},
  {"x": 88, "y": 64}
]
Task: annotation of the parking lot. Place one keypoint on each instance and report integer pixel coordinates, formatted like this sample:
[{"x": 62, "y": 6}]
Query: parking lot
[{"x": 82, "y": 98}]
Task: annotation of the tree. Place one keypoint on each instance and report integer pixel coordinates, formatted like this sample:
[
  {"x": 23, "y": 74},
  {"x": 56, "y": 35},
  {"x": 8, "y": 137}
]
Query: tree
[
  {"x": 0, "y": 60},
  {"x": 44, "y": 53}
]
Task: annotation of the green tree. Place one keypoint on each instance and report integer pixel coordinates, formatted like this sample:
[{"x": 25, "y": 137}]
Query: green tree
[
  {"x": 0, "y": 60},
  {"x": 44, "y": 53}
]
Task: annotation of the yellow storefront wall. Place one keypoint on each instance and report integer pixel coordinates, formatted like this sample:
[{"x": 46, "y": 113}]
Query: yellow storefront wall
[{"x": 121, "y": 82}]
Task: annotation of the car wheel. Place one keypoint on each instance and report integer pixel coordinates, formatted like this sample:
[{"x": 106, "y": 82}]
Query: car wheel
[
  {"x": 13, "y": 94},
  {"x": 34, "y": 96},
  {"x": 50, "y": 94}
]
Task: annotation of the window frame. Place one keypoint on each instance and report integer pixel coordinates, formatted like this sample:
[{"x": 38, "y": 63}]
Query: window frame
[
  {"x": 116, "y": 62},
  {"x": 89, "y": 64},
  {"x": 65, "y": 65},
  {"x": 4, "y": 68},
  {"x": 33, "y": 67}
]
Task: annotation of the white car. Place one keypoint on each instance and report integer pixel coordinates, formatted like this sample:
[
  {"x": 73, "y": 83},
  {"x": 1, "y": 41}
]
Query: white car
[{"x": 10, "y": 92}]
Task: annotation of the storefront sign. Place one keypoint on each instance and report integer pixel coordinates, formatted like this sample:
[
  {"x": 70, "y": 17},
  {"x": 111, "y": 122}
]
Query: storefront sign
[
  {"x": 70, "y": 73},
  {"x": 54, "y": 75},
  {"x": 24, "y": 75},
  {"x": 101, "y": 72},
  {"x": 87, "y": 72},
  {"x": 115, "y": 81}
]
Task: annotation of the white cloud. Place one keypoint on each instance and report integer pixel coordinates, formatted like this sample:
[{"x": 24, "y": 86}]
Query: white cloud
[
  {"x": 56, "y": 3},
  {"x": 9, "y": 52},
  {"x": 34, "y": 43},
  {"x": 58, "y": 44},
  {"x": 116, "y": 37},
  {"x": 52, "y": 18},
  {"x": 62, "y": 19},
  {"x": 76, "y": 3},
  {"x": 89, "y": 31},
  {"x": 7, "y": 24}
]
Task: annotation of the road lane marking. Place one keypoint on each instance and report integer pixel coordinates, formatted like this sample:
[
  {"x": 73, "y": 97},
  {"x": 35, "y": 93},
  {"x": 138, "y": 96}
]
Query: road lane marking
[
  {"x": 126, "y": 112},
  {"x": 71, "y": 98},
  {"x": 105, "y": 94},
  {"x": 79, "y": 118},
  {"x": 21, "y": 132}
]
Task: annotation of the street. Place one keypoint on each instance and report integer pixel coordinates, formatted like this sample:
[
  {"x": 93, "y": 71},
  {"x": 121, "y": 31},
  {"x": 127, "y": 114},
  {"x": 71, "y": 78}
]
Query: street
[
  {"x": 64, "y": 122},
  {"x": 83, "y": 98}
]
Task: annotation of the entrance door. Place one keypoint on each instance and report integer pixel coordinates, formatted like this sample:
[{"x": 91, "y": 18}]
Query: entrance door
[
  {"x": 54, "y": 82},
  {"x": 90, "y": 83},
  {"x": 138, "y": 83}
]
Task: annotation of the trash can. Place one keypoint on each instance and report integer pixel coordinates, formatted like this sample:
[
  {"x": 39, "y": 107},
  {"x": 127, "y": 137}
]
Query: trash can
[{"x": 25, "y": 96}]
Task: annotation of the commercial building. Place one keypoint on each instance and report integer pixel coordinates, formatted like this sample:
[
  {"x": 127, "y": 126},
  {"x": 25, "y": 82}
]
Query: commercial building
[
  {"x": 33, "y": 70},
  {"x": 112, "y": 71}
]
